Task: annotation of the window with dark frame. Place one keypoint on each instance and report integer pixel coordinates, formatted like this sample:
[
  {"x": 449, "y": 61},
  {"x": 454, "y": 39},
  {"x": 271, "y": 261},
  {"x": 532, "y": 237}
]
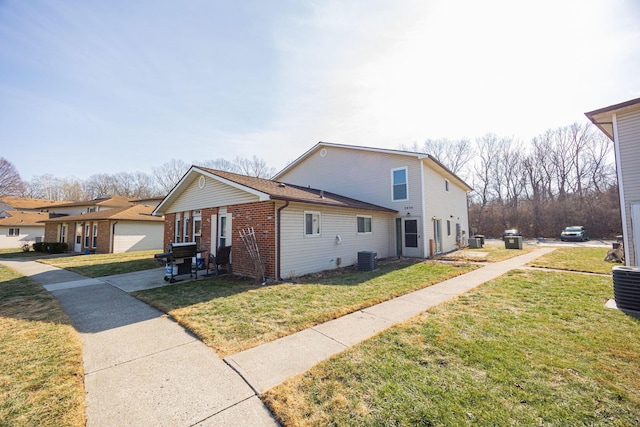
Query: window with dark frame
[
  {"x": 399, "y": 184},
  {"x": 312, "y": 223},
  {"x": 364, "y": 224}
]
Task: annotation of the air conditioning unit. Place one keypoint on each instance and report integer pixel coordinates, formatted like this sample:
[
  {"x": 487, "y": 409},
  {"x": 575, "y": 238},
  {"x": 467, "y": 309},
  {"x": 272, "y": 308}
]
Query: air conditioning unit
[
  {"x": 367, "y": 260},
  {"x": 626, "y": 287},
  {"x": 475, "y": 243}
]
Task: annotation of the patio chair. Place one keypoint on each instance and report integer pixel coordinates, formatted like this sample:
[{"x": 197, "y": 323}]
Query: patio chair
[{"x": 221, "y": 258}]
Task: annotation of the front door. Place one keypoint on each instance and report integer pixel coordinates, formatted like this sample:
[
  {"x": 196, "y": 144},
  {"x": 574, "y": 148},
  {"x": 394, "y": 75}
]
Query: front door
[
  {"x": 411, "y": 237},
  {"x": 77, "y": 247}
]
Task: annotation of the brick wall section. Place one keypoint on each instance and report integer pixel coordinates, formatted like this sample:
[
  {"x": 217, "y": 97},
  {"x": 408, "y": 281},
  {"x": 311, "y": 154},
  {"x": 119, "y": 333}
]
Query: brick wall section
[
  {"x": 51, "y": 232},
  {"x": 104, "y": 237},
  {"x": 169, "y": 229},
  {"x": 262, "y": 217},
  {"x": 205, "y": 236}
]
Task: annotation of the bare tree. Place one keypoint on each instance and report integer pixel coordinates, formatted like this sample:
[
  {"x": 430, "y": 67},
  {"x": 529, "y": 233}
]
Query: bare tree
[
  {"x": 454, "y": 154},
  {"x": 10, "y": 182},
  {"x": 99, "y": 185},
  {"x": 220, "y": 164},
  {"x": 169, "y": 174},
  {"x": 254, "y": 167}
]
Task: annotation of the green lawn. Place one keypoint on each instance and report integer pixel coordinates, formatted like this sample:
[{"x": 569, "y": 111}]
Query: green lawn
[
  {"x": 99, "y": 265},
  {"x": 589, "y": 260},
  {"x": 230, "y": 315},
  {"x": 41, "y": 374},
  {"x": 530, "y": 348}
]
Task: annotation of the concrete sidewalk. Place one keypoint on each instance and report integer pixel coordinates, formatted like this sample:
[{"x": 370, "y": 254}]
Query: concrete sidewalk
[
  {"x": 143, "y": 369},
  {"x": 270, "y": 364}
]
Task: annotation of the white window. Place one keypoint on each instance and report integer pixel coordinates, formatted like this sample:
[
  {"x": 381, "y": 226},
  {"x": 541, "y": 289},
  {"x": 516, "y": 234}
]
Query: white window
[
  {"x": 312, "y": 223},
  {"x": 446, "y": 185},
  {"x": 399, "y": 184},
  {"x": 178, "y": 229},
  {"x": 63, "y": 233},
  {"x": 86, "y": 235},
  {"x": 224, "y": 231},
  {"x": 186, "y": 227},
  {"x": 364, "y": 224},
  {"x": 197, "y": 223},
  {"x": 94, "y": 241},
  {"x": 14, "y": 232}
]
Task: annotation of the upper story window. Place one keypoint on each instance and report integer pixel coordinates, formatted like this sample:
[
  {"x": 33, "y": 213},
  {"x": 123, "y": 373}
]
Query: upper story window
[
  {"x": 312, "y": 223},
  {"x": 446, "y": 185},
  {"x": 399, "y": 184},
  {"x": 14, "y": 232},
  {"x": 364, "y": 224}
]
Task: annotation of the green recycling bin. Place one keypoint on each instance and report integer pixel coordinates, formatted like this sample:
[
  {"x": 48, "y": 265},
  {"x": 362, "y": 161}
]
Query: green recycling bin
[{"x": 513, "y": 242}]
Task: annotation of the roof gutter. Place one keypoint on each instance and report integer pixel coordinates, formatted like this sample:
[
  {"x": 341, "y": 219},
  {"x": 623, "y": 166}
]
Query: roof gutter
[{"x": 278, "y": 238}]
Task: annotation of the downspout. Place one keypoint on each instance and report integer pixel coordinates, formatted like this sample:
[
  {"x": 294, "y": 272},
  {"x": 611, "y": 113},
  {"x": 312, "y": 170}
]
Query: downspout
[
  {"x": 279, "y": 239},
  {"x": 113, "y": 236}
]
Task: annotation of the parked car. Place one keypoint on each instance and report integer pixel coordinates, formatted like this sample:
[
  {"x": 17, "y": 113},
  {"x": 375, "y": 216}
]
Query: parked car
[
  {"x": 576, "y": 232},
  {"x": 510, "y": 232}
]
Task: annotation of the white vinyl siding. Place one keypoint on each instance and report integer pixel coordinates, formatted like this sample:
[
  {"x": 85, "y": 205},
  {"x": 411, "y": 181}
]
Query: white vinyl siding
[
  {"x": 360, "y": 174},
  {"x": 137, "y": 236},
  {"x": 28, "y": 234},
  {"x": 446, "y": 205},
  {"x": 629, "y": 147},
  {"x": 302, "y": 255},
  {"x": 214, "y": 193}
]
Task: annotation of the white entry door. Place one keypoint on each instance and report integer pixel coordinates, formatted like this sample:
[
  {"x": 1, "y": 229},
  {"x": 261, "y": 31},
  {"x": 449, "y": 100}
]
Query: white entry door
[
  {"x": 77, "y": 246},
  {"x": 411, "y": 237}
]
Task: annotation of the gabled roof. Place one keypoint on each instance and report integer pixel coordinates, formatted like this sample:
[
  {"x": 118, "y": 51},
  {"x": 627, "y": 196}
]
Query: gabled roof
[
  {"x": 127, "y": 213},
  {"x": 23, "y": 219},
  {"x": 429, "y": 159},
  {"x": 107, "y": 202},
  {"x": 267, "y": 189},
  {"x": 20, "y": 203},
  {"x": 603, "y": 117}
]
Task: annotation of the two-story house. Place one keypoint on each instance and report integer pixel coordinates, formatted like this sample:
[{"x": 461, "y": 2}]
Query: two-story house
[{"x": 321, "y": 210}]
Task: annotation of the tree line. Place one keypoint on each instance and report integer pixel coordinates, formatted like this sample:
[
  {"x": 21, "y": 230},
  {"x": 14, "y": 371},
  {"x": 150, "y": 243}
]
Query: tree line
[
  {"x": 564, "y": 176},
  {"x": 135, "y": 185}
]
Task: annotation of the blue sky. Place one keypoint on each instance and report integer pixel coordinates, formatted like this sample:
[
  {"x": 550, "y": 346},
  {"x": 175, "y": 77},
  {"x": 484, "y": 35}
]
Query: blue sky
[{"x": 110, "y": 86}]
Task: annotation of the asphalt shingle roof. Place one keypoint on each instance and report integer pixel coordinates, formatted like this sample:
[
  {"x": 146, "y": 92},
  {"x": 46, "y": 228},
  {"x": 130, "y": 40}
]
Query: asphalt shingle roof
[{"x": 295, "y": 193}]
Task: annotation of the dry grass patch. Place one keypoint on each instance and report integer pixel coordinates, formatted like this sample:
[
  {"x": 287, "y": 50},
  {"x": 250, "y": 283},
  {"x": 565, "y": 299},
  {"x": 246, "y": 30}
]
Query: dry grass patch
[
  {"x": 230, "y": 315},
  {"x": 41, "y": 375},
  {"x": 100, "y": 265},
  {"x": 531, "y": 348},
  {"x": 490, "y": 252},
  {"x": 588, "y": 260}
]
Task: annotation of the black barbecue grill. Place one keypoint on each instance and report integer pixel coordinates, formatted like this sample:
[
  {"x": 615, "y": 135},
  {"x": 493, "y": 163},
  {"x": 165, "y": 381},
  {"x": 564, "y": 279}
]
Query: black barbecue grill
[{"x": 179, "y": 260}]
